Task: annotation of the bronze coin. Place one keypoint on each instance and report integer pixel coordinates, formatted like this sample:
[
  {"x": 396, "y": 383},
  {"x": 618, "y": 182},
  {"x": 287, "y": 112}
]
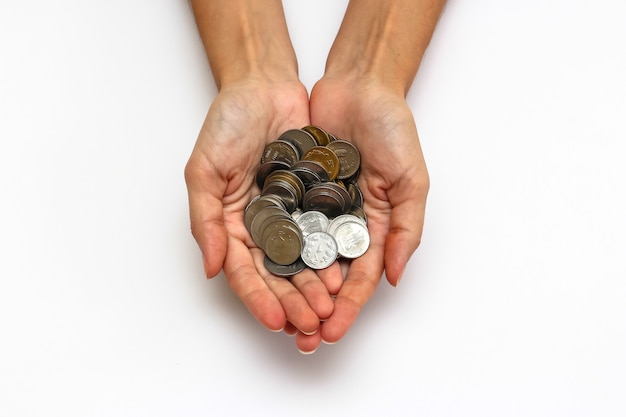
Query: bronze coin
[
  {"x": 282, "y": 241},
  {"x": 260, "y": 221},
  {"x": 299, "y": 138},
  {"x": 356, "y": 196},
  {"x": 320, "y": 135},
  {"x": 349, "y": 158},
  {"x": 280, "y": 150},
  {"x": 284, "y": 271},
  {"x": 289, "y": 177},
  {"x": 326, "y": 157},
  {"x": 359, "y": 212},
  {"x": 267, "y": 168}
]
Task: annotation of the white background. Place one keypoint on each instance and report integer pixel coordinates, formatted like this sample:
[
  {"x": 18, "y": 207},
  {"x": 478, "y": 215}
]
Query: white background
[{"x": 514, "y": 305}]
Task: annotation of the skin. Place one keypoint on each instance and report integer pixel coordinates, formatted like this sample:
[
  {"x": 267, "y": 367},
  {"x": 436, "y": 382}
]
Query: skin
[{"x": 360, "y": 98}]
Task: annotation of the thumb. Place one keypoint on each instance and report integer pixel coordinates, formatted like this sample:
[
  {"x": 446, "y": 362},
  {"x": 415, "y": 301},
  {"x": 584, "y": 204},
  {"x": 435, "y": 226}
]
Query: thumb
[
  {"x": 205, "y": 190},
  {"x": 405, "y": 230}
]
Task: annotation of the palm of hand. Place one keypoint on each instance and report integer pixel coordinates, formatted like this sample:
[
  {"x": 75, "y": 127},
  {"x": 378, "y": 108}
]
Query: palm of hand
[
  {"x": 394, "y": 182},
  {"x": 220, "y": 178}
]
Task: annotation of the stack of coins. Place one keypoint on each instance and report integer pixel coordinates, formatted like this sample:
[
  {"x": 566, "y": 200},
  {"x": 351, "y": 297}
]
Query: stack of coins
[{"x": 310, "y": 210}]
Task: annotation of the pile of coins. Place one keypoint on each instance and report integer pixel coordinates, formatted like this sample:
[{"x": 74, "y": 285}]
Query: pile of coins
[{"x": 310, "y": 210}]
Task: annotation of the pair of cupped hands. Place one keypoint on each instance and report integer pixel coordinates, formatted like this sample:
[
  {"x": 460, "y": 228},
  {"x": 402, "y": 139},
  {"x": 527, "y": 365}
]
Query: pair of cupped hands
[{"x": 315, "y": 306}]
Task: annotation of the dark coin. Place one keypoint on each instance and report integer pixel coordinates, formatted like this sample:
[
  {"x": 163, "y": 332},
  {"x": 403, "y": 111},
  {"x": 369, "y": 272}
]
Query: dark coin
[
  {"x": 291, "y": 178},
  {"x": 326, "y": 157},
  {"x": 257, "y": 204},
  {"x": 356, "y": 196},
  {"x": 359, "y": 212},
  {"x": 260, "y": 221},
  {"x": 344, "y": 195},
  {"x": 284, "y": 270},
  {"x": 267, "y": 168},
  {"x": 285, "y": 191},
  {"x": 353, "y": 179},
  {"x": 327, "y": 201},
  {"x": 349, "y": 158},
  {"x": 301, "y": 139},
  {"x": 310, "y": 172},
  {"x": 280, "y": 150},
  {"x": 320, "y": 135},
  {"x": 282, "y": 241},
  {"x": 308, "y": 177}
]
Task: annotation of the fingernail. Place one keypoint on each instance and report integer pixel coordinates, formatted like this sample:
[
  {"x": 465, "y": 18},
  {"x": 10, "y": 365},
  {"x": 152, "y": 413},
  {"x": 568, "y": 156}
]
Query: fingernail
[
  {"x": 206, "y": 274},
  {"x": 399, "y": 277},
  {"x": 310, "y": 333},
  {"x": 328, "y": 343},
  {"x": 307, "y": 353}
]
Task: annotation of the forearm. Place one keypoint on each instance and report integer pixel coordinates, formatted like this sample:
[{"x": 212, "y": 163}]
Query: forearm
[
  {"x": 384, "y": 40},
  {"x": 246, "y": 39}
]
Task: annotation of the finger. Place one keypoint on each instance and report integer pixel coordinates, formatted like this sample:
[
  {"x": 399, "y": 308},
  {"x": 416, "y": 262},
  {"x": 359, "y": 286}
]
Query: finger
[
  {"x": 406, "y": 225},
  {"x": 295, "y": 306},
  {"x": 361, "y": 281},
  {"x": 245, "y": 281},
  {"x": 315, "y": 293},
  {"x": 332, "y": 277},
  {"x": 205, "y": 190},
  {"x": 308, "y": 344},
  {"x": 290, "y": 329}
]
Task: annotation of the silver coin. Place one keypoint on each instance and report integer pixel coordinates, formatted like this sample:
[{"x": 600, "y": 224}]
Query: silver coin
[
  {"x": 312, "y": 221},
  {"x": 339, "y": 220},
  {"x": 320, "y": 250},
  {"x": 352, "y": 239}
]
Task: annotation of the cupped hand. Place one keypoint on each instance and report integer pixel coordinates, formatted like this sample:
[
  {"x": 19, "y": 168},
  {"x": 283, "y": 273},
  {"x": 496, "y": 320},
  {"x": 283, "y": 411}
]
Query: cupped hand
[
  {"x": 394, "y": 181},
  {"x": 220, "y": 181}
]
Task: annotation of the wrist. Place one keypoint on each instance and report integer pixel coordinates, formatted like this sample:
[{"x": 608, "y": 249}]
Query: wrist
[
  {"x": 246, "y": 39},
  {"x": 359, "y": 56},
  {"x": 383, "y": 41},
  {"x": 257, "y": 68}
]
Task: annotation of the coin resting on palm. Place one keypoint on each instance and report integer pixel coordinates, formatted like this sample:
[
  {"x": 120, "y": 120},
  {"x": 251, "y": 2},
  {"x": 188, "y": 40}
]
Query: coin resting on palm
[{"x": 310, "y": 210}]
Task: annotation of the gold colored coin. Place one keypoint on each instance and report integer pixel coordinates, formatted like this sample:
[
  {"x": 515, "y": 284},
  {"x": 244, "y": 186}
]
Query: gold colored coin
[
  {"x": 320, "y": 135},
  {"x": 326, "y": 157}
]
